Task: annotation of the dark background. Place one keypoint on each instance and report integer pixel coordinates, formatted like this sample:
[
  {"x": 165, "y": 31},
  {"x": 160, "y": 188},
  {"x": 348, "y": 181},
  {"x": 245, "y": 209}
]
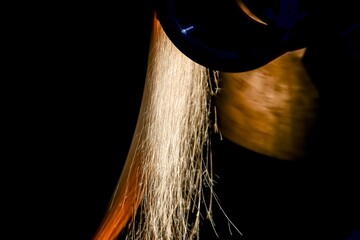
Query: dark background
[
  {"x": 94, "y": 102},
  {"x": 74, "y": 93}
]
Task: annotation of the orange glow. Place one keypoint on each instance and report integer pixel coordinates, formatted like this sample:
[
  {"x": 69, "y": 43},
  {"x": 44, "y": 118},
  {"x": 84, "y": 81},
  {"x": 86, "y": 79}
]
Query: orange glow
[
  {"x": 247, "y": 11},
  {"x": 124, "y": 205},
  {"x": 128, "y": 194}
]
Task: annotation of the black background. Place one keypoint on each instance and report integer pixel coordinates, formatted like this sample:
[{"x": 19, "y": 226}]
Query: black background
[
  {"x": 93, "y": 111},
  {"x": 73, "y": 96}
]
